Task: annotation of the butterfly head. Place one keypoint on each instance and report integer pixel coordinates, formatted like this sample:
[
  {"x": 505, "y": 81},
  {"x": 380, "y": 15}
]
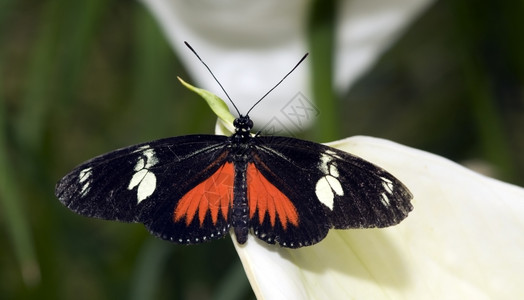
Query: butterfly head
[{"x": 243, "y": 125}]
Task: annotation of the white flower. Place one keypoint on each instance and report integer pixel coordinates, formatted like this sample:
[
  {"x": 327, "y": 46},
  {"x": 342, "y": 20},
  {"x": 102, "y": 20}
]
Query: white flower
[{"x": 463, "y": 240}]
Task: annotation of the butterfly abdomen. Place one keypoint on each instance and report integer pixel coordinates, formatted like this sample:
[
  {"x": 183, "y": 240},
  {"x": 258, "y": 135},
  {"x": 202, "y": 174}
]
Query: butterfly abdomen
[
  {"x": 240, "y": 148},
  {"x": 240, "y": 211}
]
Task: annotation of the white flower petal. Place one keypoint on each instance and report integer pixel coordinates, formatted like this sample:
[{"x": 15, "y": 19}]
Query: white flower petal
[
  {"x": 366, "y": 28},
  {"x": 463, "y": 240},
  {"x": 249, "y": 45}
]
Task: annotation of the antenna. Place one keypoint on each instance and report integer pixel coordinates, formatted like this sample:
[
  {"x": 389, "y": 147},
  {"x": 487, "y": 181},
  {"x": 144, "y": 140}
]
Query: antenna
[
  {"x": 299, "y": 62},
  {"x": 224, "y": 90}
]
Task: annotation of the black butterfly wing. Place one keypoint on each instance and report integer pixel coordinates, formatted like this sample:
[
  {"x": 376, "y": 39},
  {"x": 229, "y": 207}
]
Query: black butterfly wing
[
  {"x": 145, "y": 183},
  {"x": 329, "y": 188}
]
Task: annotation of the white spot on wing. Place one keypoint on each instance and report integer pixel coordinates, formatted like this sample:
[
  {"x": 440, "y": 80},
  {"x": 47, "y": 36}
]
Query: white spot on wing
[
  {"x": 84, "y": 174},
  {"x": 326, "y": 189},
  {"x": 140, "y": 164},
  {"x": 324, "y": 192},
  {"x": 333, "y": 170},
  {"x": 144, "y": 179},
  {"x": 328, "y": 186},
  {"x": 137, "y": 178},
  {"x": 151, "y": 158},
  {"x": 335, "y": 185},
  {"x": 387, "y": 184},
  {"x": 384, "y": 199},
  {"x": 146, "y": 187},
  {"x": 141, "y": 149},
  {"x": 84, "y": 178},
  {"x": 324, "y": 161}
]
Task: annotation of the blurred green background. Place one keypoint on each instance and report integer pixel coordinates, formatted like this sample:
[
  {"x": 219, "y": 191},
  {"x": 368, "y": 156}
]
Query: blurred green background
[{"x": 80, "y": 78}]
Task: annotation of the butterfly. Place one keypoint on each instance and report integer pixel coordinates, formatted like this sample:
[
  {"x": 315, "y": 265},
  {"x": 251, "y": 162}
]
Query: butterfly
[{"x": 195, "y": 188}]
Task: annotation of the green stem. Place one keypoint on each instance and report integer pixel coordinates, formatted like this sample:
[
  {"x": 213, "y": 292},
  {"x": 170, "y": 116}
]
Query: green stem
[{"x": 321, "y": 42}]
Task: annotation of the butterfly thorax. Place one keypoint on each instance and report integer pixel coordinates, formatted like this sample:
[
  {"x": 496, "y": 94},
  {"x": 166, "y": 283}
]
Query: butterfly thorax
[{"x": 240, "y": 141}]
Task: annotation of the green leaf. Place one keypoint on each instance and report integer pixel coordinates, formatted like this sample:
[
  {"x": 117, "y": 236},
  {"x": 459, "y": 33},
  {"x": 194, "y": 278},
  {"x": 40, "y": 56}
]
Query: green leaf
[{"x": 218, "y": 105}]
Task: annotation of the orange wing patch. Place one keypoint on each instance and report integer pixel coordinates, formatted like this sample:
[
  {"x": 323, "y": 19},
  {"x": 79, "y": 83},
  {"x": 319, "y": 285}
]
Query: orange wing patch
[
  {"x": 215, "y": 194},
  {"x": 264, "y": 197}
]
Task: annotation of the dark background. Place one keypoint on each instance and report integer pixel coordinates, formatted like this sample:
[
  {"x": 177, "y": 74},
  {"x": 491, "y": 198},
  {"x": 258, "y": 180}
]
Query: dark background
[{"x": 80, "y": 78}]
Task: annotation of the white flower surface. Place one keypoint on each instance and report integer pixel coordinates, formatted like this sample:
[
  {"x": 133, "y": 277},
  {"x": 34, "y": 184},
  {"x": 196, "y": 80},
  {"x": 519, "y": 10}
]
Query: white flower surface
[{"x": 464, "y": 239}]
